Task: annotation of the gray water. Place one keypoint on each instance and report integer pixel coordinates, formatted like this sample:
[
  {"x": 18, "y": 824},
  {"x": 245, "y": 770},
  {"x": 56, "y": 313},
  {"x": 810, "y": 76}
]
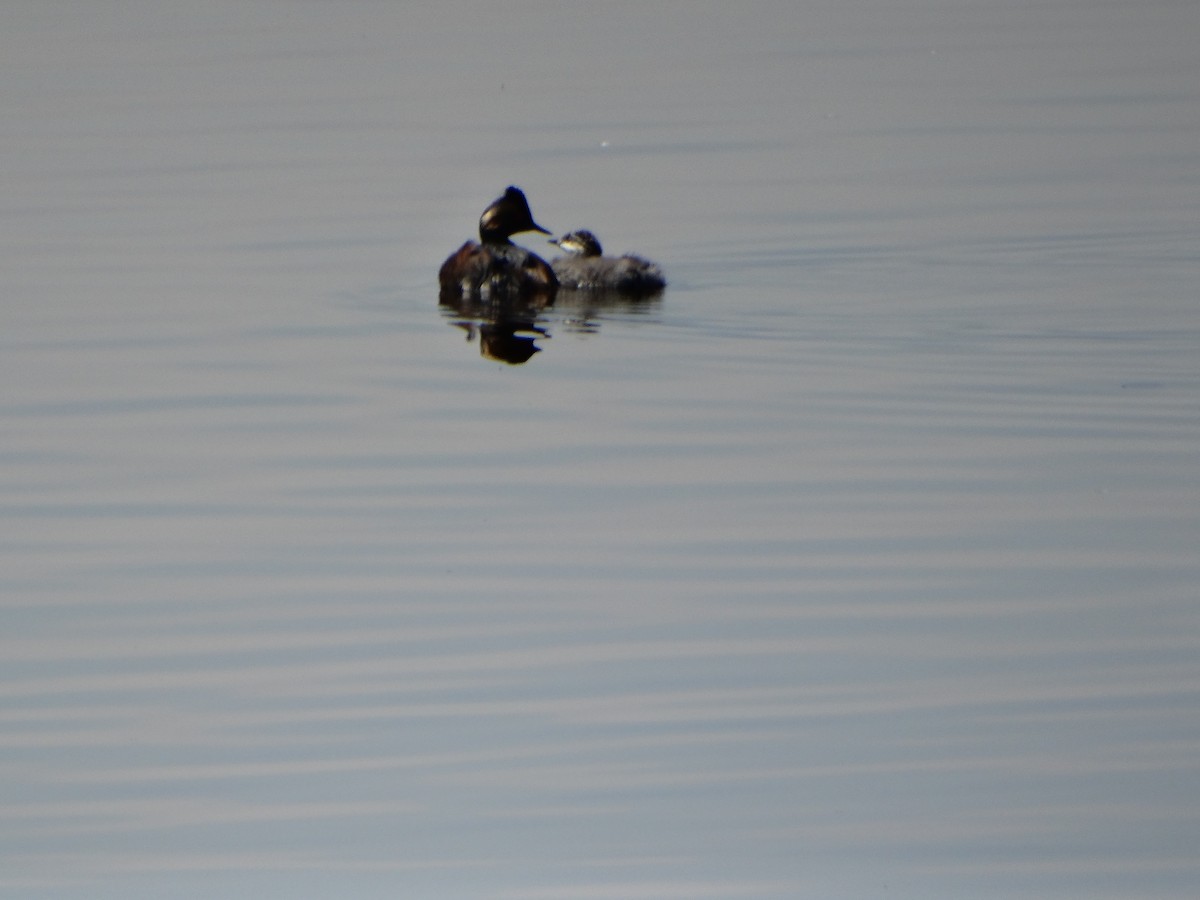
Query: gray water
[{"x": 861, "y": 563}]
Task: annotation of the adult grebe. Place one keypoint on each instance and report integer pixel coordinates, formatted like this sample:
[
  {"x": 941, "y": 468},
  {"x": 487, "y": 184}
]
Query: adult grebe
[{"x": 496, "y": 268}]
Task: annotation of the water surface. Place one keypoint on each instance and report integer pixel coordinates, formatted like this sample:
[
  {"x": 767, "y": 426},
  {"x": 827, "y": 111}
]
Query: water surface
[{"x": 860, "y": 563}]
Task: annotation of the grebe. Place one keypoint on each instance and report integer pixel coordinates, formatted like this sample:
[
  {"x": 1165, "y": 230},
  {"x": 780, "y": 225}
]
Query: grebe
[
  {"x": 586, "y": 268},
  {"x": 496, "y": 268}
]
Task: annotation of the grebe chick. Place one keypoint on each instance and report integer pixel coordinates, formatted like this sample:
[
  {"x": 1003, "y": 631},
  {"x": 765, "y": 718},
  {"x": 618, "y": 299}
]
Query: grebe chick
[
  {"x": 585, "y": 267},
  {"x": 496, "y": 268}
]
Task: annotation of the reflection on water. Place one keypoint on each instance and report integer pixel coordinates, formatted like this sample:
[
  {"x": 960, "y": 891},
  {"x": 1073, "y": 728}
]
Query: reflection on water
[
  {"x": 509, "y": 330},
  {"x": 862, "y": 563},
  {"x": 506, "y": 329}
]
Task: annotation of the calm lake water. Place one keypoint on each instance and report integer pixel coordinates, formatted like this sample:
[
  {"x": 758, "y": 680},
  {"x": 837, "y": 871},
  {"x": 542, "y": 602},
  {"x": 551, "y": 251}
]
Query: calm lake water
[{"x": 861, "y": 563}]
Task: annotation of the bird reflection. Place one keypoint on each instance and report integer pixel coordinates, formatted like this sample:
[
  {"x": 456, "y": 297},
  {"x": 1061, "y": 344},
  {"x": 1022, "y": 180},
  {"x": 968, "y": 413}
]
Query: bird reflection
[
  {"x": 582, "y": 311},
  {"x": 511, "y": 330},
  {"x": 508, "y": 330}
]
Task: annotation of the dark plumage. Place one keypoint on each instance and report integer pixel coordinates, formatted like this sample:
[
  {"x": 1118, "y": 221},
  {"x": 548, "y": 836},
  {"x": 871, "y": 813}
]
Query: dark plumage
[{"x": 496, "y": 268}]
